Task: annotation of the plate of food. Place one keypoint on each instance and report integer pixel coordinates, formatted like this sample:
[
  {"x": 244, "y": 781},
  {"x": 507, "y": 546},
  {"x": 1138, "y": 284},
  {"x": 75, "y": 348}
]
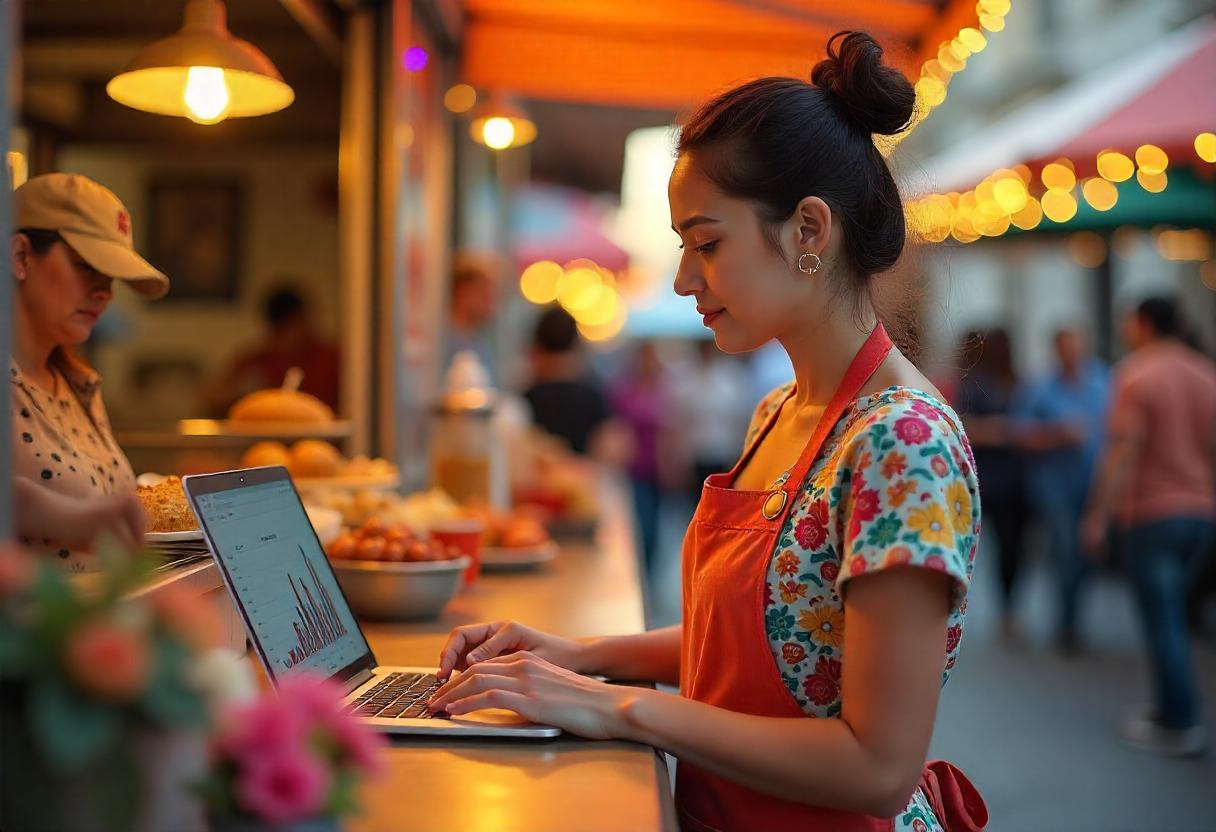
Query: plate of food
[
  {"x": 174, "y": 537},
  {"x": 170, "y": 519},
  {"x": 509, "y": 558}
]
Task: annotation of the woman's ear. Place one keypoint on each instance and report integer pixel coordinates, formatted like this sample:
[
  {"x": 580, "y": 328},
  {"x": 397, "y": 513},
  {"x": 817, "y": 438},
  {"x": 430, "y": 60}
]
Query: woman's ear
[
  {"x": 19, "y": 255},
  {"x": 814, "y": 225}
]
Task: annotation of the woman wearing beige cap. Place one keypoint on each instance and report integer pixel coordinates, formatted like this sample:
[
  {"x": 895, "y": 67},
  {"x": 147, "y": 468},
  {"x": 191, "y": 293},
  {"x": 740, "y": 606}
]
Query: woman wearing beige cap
[{"x": 73, "y": 239}]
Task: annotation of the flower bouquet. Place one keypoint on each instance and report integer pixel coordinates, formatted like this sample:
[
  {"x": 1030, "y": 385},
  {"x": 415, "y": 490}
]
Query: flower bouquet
[
  {"x": 291, "y": 761},
  {"x": 101, "y": 692}
]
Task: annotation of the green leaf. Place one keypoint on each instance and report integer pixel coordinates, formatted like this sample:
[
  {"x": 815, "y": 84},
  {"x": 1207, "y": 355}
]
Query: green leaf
[
  {"x": 18, "y": 654},
  {"x": 215, "y": 793},
  {"x": 168, "y": 700},
  {"x": 71, "y": 731},
  {"x": 58, "y": 605},
  {"x": 342, "y": 794},
  {"x": 119, "y": 790}
]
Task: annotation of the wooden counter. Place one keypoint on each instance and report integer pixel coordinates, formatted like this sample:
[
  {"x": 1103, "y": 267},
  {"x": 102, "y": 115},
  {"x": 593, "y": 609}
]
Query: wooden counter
[{"x": 565, "y": 784}]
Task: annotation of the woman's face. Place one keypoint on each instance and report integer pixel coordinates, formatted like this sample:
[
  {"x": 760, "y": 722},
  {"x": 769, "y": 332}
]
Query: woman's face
[
  {"x": 747, "y": 292},
  {"x": 62, "y": 295}
]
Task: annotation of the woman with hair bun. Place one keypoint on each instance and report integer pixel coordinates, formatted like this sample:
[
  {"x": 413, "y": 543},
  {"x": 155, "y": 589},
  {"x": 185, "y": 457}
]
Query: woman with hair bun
[{"x": 825, "y": 575}]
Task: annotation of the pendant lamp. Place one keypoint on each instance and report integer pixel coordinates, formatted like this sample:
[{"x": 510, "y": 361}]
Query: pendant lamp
[{"x": 202, "y": 72}]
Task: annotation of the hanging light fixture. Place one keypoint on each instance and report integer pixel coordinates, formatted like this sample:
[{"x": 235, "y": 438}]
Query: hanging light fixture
[
  {"x": 202, "y": 72},
  {"x": 499, "y": 124}
]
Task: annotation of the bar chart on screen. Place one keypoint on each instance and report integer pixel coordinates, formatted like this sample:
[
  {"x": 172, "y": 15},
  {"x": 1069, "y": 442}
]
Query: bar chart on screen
[
  {"x": 280, "y": 578},
  {"x": 317, "y": 623}
]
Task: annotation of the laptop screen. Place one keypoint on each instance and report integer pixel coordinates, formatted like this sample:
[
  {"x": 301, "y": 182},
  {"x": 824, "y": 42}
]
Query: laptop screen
[{"x": 281, "y": 578}]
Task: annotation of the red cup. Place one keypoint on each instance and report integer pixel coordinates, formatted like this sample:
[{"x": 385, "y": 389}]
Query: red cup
[{"x": 465, "y": 535}]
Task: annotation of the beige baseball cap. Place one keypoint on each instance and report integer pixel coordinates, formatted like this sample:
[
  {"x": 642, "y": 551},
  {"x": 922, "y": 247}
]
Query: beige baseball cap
[{"x": 92, "y": 221}]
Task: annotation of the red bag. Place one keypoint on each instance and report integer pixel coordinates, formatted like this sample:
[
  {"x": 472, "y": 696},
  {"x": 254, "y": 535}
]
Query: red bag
[{"x": 954, "y": 799}]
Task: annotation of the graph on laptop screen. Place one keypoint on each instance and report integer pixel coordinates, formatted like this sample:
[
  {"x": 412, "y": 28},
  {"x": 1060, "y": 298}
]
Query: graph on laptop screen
[{"x": 281, "y": 577}]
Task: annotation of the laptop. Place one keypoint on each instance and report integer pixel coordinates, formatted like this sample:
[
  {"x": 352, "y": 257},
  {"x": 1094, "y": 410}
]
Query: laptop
[{"x": 297, "y": 617}]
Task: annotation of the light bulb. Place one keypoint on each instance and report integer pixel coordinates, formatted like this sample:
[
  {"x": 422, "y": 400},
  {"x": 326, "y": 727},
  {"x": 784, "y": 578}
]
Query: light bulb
[
  {"x": 498, "y": 132},
  {"x": 206, "y": 94}
]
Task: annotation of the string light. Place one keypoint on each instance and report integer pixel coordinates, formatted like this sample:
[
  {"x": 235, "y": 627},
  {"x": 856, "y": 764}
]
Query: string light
[{"x": 1205, "y": 146}]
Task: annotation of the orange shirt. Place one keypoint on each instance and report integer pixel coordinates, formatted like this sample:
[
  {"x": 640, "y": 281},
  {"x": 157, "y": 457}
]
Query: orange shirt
[{"x": 1165, "y": 397}]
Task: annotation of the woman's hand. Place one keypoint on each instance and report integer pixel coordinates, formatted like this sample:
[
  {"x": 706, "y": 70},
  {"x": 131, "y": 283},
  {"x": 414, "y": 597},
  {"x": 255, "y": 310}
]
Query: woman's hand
[
  {"x": 538, "y": 691},
  {"x": 119, "y": 516},
  {"x": 466, "y": 646},
  {"x": 77, "y": 522}
]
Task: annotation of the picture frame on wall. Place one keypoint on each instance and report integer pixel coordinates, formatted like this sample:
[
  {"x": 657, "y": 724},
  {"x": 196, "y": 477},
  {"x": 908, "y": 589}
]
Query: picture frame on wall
[{"x": 195, "y": 236}]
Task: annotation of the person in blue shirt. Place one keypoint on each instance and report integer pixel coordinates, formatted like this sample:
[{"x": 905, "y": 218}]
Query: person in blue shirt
[{"x": 1059, "y": 421}]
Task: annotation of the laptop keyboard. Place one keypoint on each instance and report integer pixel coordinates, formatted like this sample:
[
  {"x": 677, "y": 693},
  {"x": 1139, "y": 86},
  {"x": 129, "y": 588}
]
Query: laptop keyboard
[{"x": 399, "y": 696}]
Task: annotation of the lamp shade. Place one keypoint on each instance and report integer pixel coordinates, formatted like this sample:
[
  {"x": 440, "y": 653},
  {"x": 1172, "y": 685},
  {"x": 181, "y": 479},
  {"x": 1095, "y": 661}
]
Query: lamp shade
[
  {"x": 202, "y": 72},
  {"x": 500, "y": 124}
]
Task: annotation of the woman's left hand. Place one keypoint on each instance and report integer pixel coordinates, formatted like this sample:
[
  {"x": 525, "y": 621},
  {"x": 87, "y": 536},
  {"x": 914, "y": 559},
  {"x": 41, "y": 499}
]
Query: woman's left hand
[{"x": 537, "y": 691}]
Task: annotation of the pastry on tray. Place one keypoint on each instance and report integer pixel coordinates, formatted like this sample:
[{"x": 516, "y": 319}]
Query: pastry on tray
[{"x": 166, "y": 505}]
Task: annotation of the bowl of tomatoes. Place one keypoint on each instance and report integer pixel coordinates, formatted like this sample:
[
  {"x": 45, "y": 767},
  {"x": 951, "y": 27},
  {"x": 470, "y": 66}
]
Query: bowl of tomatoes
[{"x": 389, "y": 573}]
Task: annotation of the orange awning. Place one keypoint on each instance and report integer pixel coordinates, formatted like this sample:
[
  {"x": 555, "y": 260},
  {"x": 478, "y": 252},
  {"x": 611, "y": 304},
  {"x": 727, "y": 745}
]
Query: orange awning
[{"x": 670, "y": 54}]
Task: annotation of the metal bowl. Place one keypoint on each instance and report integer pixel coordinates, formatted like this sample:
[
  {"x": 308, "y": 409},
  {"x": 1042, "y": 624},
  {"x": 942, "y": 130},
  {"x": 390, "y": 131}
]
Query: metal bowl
[{"x": 400, "y": 591}]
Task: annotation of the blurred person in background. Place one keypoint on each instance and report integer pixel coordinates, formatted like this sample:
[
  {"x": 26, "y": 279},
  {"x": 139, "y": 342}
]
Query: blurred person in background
[
  {"x": 72, "y": 241},
  {"x": 290, "y": 340},
  {"x": 1157, "y": 482},
  {"x": 713, "y": 412},
  {"x": 473, "y": 306},
  {"x": 984, "y": 397},
  {"x": 1060, "y": 424},
  {"x": 565, "y": 398},
  {"x": 642, "y": 400}
]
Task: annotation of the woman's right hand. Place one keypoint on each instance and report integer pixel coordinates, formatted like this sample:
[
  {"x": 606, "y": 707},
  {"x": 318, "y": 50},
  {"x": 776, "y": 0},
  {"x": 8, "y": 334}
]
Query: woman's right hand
[{"x": 468, "y": 645}]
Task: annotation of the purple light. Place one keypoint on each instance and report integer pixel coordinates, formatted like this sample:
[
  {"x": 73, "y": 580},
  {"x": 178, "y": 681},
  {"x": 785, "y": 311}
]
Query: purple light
[{"x": 414, "y": 59}]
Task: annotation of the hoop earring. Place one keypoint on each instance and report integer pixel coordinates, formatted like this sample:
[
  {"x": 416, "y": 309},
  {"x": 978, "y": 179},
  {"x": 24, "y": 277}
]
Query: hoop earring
[{"x": 802, "y": 267}]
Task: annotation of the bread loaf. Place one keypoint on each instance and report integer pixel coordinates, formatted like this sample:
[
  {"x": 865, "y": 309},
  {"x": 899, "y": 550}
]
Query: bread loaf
[{"x": 277, "y": 405}]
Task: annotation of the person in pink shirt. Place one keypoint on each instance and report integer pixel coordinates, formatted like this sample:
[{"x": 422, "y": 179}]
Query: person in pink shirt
[{"x": 1156, "y": 484}]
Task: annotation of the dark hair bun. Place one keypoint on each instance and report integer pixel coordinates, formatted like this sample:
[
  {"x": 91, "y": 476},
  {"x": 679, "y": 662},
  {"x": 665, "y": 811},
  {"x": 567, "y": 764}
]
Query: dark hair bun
[{"x": 876, "y": 97}]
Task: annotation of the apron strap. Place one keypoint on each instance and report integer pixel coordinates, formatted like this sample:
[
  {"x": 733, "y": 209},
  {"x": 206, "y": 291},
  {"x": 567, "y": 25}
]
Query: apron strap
[{"x": 867, "y": 361}]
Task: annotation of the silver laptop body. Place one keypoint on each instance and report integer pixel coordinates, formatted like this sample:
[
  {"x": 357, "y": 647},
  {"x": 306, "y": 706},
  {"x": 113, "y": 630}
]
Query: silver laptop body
[{"x": 296, "y": 615}]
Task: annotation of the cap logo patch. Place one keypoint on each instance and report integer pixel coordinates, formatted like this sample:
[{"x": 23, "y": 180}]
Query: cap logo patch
[{"x": 124, "y": 224}]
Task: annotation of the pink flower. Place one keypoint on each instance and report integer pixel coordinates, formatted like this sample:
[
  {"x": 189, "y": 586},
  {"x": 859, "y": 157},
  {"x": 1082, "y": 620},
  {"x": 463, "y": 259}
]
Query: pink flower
[
  {"x": 927, "y": 410},
  {"x": 16, "y": 569},
  {"x": 935, "y": 562},
  {"x": 318, "y": 700},
  {"x": 912, "y": 431},
  {"x": 939, "y": 466},
  {"x": 865, "y": 507},
  {"x": 360, "y": 744},
  {"x": 263, "y": 729},
  {"x": 830, "y": 571},
  {"x": 108, "y": 661},
  {"x": 812, "y": 530},
  {"x": 953, "y": 636},
  {"x": 281, "y": 788}
]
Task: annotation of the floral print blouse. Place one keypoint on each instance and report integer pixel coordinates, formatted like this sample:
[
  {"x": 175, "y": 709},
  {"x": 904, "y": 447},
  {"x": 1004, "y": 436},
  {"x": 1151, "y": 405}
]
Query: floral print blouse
[{"x": 894, "y": 484}]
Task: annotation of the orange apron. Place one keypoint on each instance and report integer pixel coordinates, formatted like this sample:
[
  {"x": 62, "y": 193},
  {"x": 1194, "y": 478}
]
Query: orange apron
[{"x": 726, "y": 660}]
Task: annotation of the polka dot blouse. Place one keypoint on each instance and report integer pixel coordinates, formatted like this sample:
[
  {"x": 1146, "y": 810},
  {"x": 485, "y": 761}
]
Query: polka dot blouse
[{"x": 62, "y": 440}]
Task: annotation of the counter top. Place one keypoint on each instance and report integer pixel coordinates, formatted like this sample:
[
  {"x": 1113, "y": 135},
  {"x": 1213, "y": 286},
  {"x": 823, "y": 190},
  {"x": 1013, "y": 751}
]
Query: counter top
[{"x": 561, "y": 784}]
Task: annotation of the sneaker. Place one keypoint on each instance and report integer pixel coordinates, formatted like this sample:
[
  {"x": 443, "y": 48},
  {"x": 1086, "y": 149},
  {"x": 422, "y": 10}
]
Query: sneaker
[{"x": 1144, "y": 733}]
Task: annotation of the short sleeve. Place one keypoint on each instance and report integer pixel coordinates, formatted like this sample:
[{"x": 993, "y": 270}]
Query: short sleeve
[
  {"x": 1127, "y": 417},
  {"x": 909, "y": 496}
]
